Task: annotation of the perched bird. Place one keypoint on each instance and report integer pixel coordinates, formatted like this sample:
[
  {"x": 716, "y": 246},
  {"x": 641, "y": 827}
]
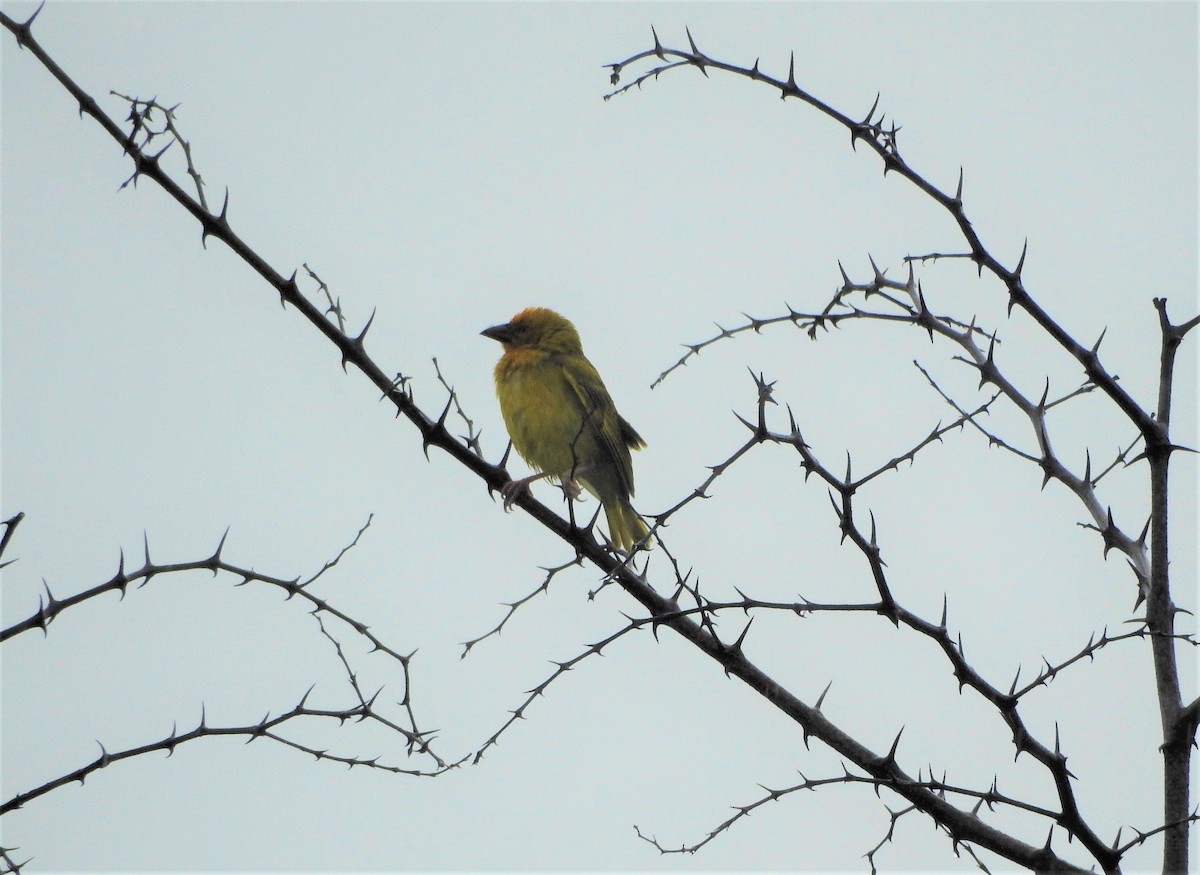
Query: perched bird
[{"x": 562, "y": 420}]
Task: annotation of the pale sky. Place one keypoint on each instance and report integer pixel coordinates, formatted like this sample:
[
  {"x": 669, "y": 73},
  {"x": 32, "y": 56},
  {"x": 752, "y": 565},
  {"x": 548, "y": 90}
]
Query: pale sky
[{"x": 444, "y": 166}]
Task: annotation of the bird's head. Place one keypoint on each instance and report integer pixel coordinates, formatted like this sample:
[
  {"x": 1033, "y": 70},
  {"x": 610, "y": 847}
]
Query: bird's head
[{"x": 538, "y": 328}]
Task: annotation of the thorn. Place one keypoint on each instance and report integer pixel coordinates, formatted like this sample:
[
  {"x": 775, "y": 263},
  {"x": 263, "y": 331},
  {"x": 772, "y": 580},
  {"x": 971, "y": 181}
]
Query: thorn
[
  {"x": 1141, "y": 541},
  {"x": 878, "y": 273},
  {"x": 989, "y": 363},
  {"x": 697, "y": 56},
  {"x": 370, "y": 703},
  {"x": 1087, "y": 467},
  {"x": 1047, "y": 469},
  {"x": 737, "y": 645},
  {"x": 945, "y": 607},
  {"x": 958, "y": 191},
  {"x": 658, "y": 49},
  {"x": 841, "y": 515},
  {"x": 1107, "y": 534},
  {"x": 43, "y": 620},
  {"x": 924, "y": 311},
  {"x": 821, "y": 698},
  {"x": 215, "y": 559},
  {"x": 153, "y": 159},
  {"x": 1099, "y": 340},
  {"x": 891, "y": 757},
  {"x": 845, "y": 279},
  {"x": 119, "y": 578},
  {"x": 357, "y": 343},
  {"x": 261, "y": 729},
  {"x": 753, "y": 428},
  {"x": 441, "y": 420},
  {"x": 1021, "y": 260},
  {"x": 29, "y": 21},
  {"x": 791, "y": 74},
  {"x": 1041, "y": 406},
  {"x": 217, "y": 220},
  {"x": 1137, "y": 603},
  {"x": 293, "y": 287},
  {"x": 871, "y": 111},
  {"x": 304, "y": 698}
]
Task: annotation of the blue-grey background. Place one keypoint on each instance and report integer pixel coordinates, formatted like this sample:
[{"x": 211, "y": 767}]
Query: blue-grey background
[{"x": 446, "y": 165}]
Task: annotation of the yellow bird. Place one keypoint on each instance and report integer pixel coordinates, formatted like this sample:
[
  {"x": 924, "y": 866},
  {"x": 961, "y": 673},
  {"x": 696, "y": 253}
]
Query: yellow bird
[{"x": 562, "y": 420}]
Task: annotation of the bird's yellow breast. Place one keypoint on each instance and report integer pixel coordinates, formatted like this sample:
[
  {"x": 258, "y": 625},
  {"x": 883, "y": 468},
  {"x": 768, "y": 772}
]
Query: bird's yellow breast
[{"x": 543, "y": 414}]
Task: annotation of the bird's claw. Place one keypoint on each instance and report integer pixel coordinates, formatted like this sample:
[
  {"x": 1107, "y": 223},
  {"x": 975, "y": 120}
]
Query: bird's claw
[{"x": 511, "y": 491}]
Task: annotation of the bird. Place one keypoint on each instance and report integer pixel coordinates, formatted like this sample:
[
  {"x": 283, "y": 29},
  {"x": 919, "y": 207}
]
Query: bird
[{"x": 562, "y": 421}]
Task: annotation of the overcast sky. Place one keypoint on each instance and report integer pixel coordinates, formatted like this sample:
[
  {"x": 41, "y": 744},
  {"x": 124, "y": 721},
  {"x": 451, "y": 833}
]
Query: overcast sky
[{"x": 445, "y": 166}]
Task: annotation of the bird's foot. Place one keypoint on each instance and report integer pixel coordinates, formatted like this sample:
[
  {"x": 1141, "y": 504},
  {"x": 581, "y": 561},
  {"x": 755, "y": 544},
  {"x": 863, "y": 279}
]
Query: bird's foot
[{"x": 513, "y": 489}]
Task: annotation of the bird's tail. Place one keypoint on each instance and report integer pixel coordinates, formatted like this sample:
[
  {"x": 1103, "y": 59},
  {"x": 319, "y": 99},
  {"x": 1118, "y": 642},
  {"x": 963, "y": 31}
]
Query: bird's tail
[{"x": 624, "y": 525}]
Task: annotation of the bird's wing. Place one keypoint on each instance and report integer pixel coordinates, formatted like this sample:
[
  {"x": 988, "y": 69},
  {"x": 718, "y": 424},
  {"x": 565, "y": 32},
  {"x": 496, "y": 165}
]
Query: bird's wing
[
  {"x": 632, "y": 439},
  {"x": 602, "y": 419}
]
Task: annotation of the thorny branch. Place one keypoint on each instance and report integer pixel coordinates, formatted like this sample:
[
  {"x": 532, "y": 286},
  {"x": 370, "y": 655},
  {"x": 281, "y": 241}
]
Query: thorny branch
[
  {"x": 963, "y": 826},
  {"x": 143, "y": 132},
  {"x": 335, "y": 305},
  {"x": 513, "y": 607},
  {"x": 561, "y": 668},
  {"x": 417, "y": 741},
  {"x": 10, "y": 526},
  {"x": 992, "y": 797},
  {"x": 882, "y": 137},
  {"x": 265, "y": 728},
  {"x": 8, "y": 864},
  {"x": 471, "y": 438},
  {"x": 910, "y": 307},
  {"x": 1146, "y": 554}
]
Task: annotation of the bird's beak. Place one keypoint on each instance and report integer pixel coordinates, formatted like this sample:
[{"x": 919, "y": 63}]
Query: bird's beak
[{"x": 502, "y": 333}]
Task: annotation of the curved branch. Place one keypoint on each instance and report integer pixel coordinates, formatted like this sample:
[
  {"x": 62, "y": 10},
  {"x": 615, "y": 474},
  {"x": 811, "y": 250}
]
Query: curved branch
[{"x": 881, "y": 137}]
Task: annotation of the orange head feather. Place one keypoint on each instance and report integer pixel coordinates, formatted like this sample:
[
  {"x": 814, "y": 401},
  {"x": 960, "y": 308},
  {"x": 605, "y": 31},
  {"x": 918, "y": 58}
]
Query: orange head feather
[{"x": 538, "y": 328}]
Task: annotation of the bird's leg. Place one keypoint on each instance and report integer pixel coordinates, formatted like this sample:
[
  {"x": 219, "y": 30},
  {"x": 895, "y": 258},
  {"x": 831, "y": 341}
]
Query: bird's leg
[
  {"x": 512, "y": 490},
  {"x": 570, "y": 485}
]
